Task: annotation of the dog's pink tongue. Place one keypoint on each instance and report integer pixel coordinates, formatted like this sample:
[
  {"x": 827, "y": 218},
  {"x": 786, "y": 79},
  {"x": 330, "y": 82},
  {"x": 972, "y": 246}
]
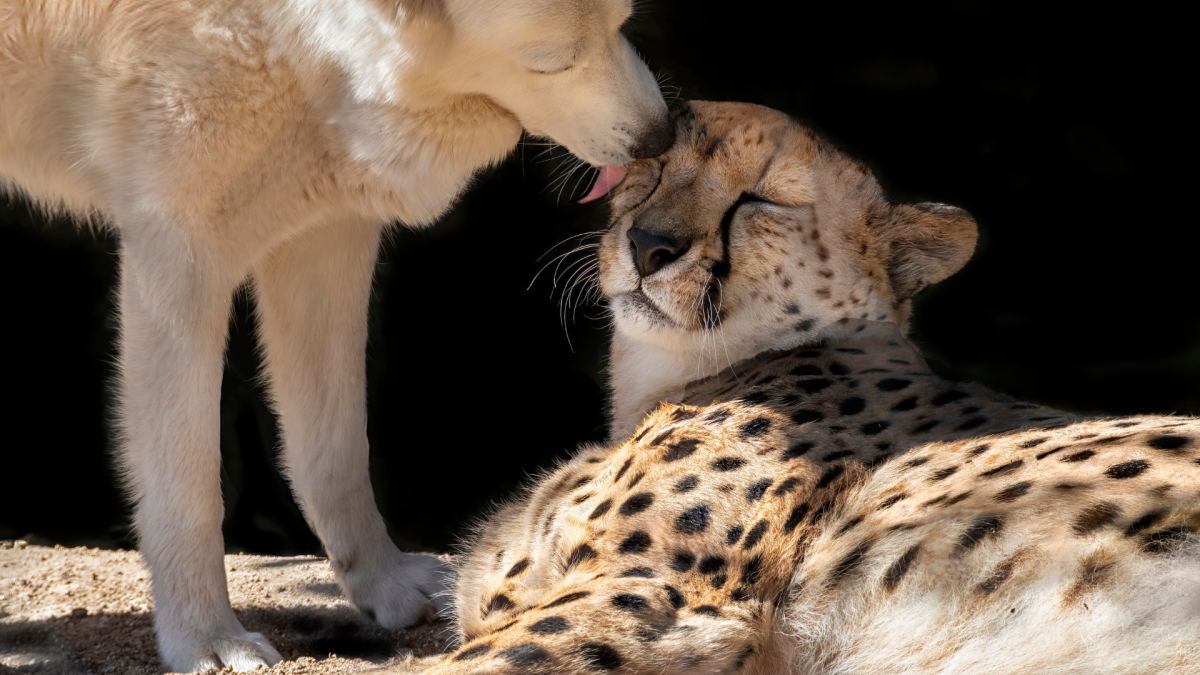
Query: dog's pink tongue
[{"x": 609, "y": 178}]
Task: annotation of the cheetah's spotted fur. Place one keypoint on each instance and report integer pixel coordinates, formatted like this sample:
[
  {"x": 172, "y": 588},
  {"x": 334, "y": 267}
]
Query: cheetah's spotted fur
[{"x": 833, "y": 506}]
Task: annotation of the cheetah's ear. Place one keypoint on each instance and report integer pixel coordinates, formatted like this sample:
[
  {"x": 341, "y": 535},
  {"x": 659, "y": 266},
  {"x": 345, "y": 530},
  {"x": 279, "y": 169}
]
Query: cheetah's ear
[{"x": 926, "y": 243}]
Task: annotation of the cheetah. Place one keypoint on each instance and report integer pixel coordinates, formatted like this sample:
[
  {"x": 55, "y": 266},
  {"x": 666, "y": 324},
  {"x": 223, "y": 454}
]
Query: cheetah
[{"x": 790, "y": 489}]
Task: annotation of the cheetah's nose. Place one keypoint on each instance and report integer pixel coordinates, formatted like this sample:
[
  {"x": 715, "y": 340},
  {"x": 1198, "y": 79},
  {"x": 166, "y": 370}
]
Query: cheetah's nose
[{"x": 653, "y": 251}]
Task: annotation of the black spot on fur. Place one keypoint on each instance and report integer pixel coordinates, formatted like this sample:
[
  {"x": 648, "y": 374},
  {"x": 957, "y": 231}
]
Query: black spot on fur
[
  {"x": 637, "y": 479},
  {"x": 756, "y": 533},
  {"x": 527, "y": 654},
  {"x": 1033, "y": 443},
  {"x": 849, "y": 563},
  {"x": 948, "y": 397},
  {"x": 1128, "y": 469},
  {"x": 804, "y": 416},
  {"x": 973, "y": 423},
  {"x": 707, "y": 610},
  {"x": 1001, "y": 470},
  {"x": 839, "y": 368},
  {"x": 752, "y": 570},
  {"x": 638, "y": 572},
  {"x": 601, "y": 509},
  {"x": 1146, "y": 521},
  {"x": 957, "y": 498},
  {"x": 637, "y": 542},
  {"x": 550, "y": 625},
  {"x": 624, "y": 468},
  {"x": 719, "y": 580},
  {"x": 756, "y": 398},
  {"x": 813, "y": 386},
  {"x": 629, "y": 602},
  {"x": 836, "y": 455},
  {"x": 1079, "y": 456},
  {"x": 805, "y": 371},
  {"x": 1047, "y": 453},
  {"x": 916, "y": 462},
  {"x": 682, "y": 414},
  {"x": 600, "y": 656},
  {"x": 852, "y": 406},
  {"x": 472, "y": 652},
  {"x": 581, "y": 553},
  {"x": 682, "y": 561},
  {"x": 787, "y": 486},
  {"x": 1002, "y": 573},
  {"x": 1168, "y": 442},
  {"x": 898, "y": 570},
  {"x": 677, "y": 451},
  {"x": 891, "y": 501},
  {"x": 739, "y": 595},
  {"x": 805, "y": 325},
  {"x": 661, "y": 437},
  {"x": 1013, "y": 491},
  {"x": 758, "y": 489},
  {"x": 637, "y": 503},
  {"x": 676, "y": 598},
  {"x": 892, "y": 384},
  {"x": 1095, "y": 517},
  {"x": 728, "y": 464},
  {"x": 831, "y": 474},
  {"x": 943, "y": 474},
  {"x": 794, "y": 518},
  {"x": 521, "y": 566},
  {"x": 499, "y": 603},
  {"x": 850, "y": 525},
  {"x": 981, "y": 528},
  {"x": 570, "y": 597},
  {"x": 733, "y": 535},
  {"x": 686, "y": 484},
  {"x": 791, "y": 308},
  {"x": 693, "y": 520},
  {"x": 796, "y": 450},
  {"x": 718, "y": 416},
  {"x": 711, "y": 564},
  {"x": 755, "y": 427},
  {"x": 1164, "y": 540},
  {"x": 907, "y": 404},
  {"x": 925, "y": 427},
  {"x": 978, "y": 450},
  {"x": 872, "y": 428}
]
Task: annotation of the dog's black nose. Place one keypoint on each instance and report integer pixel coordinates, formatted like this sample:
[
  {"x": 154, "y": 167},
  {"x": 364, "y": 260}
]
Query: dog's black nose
[
  {"x": 652, "y": 251},
  {"x": 656, "y": 141}
]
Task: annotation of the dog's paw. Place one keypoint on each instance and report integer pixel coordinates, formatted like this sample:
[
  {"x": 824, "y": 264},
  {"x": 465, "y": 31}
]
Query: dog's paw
[
  {"x": 410, "y": 588},
  {"x": 242, "y": 652}
]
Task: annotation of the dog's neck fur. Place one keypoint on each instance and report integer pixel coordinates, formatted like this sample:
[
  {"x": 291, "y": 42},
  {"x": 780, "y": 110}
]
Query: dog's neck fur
[{"x": 380, "y": 88}]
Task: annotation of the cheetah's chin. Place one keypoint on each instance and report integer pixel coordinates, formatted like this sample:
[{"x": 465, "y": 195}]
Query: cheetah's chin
[{"x": 636, "y": 302}]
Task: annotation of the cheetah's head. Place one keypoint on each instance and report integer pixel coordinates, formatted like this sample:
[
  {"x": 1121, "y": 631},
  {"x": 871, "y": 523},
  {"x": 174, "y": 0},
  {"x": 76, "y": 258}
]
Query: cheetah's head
[{"x": 750, "y": 234}]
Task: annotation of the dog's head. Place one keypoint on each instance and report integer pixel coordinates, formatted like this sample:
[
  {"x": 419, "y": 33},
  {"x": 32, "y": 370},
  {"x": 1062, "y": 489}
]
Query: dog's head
[{"x": 561, "y": 66}]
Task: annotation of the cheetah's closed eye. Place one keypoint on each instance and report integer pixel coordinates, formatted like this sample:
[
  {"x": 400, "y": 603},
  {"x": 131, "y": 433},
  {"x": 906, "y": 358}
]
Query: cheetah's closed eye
[{"x": 826, "y": 504}]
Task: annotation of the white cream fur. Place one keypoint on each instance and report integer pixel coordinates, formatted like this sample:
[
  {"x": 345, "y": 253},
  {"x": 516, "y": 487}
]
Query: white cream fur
[{"x": 274, "y": 140}]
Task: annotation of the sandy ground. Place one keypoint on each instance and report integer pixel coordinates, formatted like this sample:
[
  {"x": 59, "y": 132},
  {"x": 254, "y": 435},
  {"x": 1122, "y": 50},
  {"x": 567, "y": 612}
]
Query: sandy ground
[{"x": 77, "y": 611}]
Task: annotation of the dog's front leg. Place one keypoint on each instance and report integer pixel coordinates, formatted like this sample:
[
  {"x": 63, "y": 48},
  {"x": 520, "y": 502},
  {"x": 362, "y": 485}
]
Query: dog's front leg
[
  {"x": 175, "y": 296},
  {"x": 312, "y": 302}
]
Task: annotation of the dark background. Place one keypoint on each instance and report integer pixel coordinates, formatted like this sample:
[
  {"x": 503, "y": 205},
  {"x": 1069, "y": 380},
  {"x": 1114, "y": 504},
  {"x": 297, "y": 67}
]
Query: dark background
[{"x": 1067, "y": 133}]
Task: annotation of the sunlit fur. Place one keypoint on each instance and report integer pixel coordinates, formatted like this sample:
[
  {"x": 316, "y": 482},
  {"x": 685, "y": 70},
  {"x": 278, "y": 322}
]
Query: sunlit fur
[
  {"x": 273, "y": 141},
  {"x": 831, "y": 507}
]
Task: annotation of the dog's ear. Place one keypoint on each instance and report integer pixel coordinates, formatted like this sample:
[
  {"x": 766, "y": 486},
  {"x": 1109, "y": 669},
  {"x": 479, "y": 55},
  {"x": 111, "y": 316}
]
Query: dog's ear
[{"x": 925, "y": 243}]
